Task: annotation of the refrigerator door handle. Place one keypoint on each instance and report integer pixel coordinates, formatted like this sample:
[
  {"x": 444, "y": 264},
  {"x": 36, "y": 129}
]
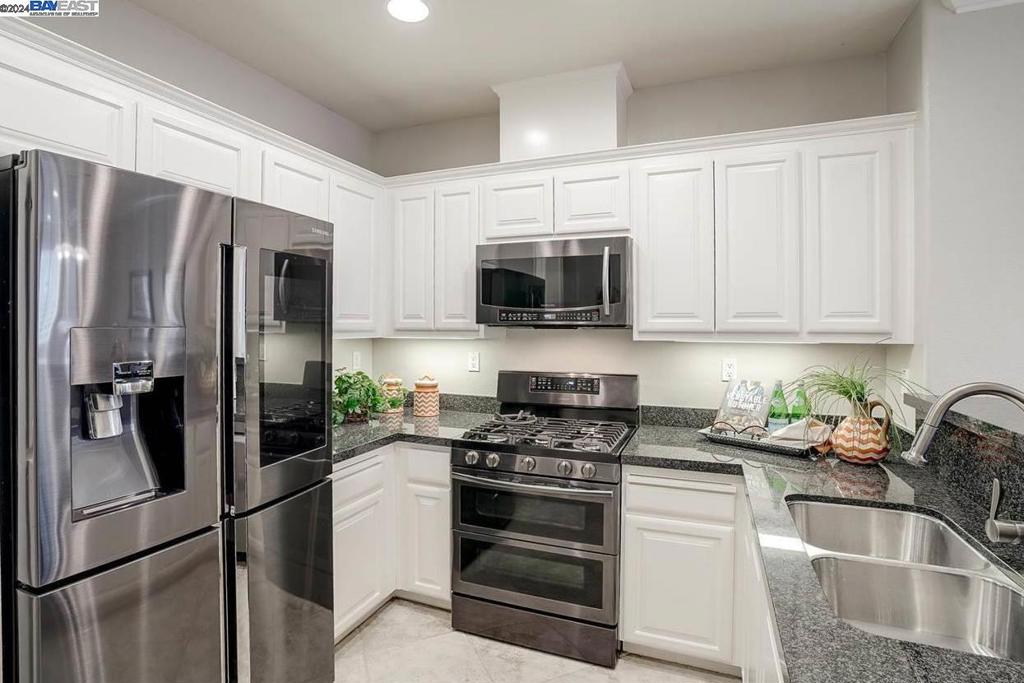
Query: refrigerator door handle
[{"x": 238, "y": 350}]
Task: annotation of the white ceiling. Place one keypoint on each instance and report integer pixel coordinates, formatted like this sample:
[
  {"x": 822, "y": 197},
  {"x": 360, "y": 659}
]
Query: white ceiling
[{"x": 352, "y": 57}]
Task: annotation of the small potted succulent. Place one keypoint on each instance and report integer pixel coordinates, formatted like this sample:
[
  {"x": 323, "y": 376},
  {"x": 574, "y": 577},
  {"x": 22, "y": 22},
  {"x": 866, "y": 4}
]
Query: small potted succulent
[{"x": 357, "y": 396}]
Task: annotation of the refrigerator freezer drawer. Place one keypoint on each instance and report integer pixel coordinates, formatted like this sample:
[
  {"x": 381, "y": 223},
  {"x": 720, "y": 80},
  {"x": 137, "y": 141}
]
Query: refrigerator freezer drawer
[
  {"x": 284, "y": 591},
  {"x": 157, "y": 619}
]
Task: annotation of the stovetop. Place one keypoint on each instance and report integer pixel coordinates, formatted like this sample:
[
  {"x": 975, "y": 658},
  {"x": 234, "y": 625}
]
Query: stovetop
[{"x": 581, "y": 436}]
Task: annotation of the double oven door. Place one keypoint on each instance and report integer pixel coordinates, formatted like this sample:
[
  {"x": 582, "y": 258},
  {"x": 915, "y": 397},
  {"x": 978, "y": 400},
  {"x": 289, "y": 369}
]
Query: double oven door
[{"x": 535, "y": 542}]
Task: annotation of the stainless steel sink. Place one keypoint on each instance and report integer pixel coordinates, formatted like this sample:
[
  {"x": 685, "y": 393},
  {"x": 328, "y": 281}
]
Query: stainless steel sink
[
  {"x": 910, "y": 576},
  {"x": 961, "y": 611},
  {"x": 882, "y": 533}
]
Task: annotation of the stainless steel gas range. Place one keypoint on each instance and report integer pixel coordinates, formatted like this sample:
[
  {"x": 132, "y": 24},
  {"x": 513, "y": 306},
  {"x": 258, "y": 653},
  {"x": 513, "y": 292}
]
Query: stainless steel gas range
[{"x": 535, "y": 514}]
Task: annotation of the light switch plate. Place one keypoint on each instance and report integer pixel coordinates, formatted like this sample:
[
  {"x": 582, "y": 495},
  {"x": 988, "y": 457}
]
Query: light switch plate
[
  {"x": 473, "y": 361},
  {"x": 357, "y": 360}
]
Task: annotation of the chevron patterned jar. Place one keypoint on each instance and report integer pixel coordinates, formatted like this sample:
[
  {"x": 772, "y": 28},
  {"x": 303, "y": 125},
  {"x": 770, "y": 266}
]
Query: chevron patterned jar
[{"x": 859, "y": 439}]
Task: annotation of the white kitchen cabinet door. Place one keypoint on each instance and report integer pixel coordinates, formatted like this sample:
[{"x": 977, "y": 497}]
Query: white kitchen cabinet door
[
  {"x": 519, "y": 205},
  {"x": 456, "y": 231},
  {"x": 677, "y": 587},
  {"x": 356, "y": 208},
  {"x": 848, "y": 217},
  {"x": 296, "y": 184},
  {"x": 185, "y": 148},
  {"x": 51, "y": 104},
  {"x": 757, "y": 241},
  {"x": 425, "y": 513},
  {"x": 675, "y": 244},
  {"x": 364, "y": 552},
  {"x": 414, "y": 258},
  {"x": 592, "y": 198}
]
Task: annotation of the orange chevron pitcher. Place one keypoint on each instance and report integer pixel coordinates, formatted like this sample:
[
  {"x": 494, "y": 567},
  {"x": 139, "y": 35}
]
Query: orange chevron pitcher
[{"x": 859, "y": 438}]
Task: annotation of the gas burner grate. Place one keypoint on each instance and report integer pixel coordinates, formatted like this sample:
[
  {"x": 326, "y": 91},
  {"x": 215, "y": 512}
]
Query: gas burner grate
[{"x": 551, "y": 432}]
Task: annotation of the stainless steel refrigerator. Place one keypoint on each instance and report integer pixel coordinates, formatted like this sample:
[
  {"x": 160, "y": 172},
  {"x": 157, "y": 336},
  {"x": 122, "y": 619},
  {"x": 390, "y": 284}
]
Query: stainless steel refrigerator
[{"x": 120, "y": 549}]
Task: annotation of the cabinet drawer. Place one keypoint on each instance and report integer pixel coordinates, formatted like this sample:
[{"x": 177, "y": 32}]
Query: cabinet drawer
[
  {"x": 359, "y": 481},
  {"x": 680, "y": 498},
  {"x": 428, "y": 466}
]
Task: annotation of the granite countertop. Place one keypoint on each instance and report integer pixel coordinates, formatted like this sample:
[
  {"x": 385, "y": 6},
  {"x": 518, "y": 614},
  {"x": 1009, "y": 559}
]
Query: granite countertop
[{"x": 816, "y": 646}]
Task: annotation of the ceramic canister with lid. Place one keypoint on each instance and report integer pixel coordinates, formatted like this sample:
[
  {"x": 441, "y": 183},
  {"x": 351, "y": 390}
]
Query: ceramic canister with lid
[{"x": 426, "y": 400}]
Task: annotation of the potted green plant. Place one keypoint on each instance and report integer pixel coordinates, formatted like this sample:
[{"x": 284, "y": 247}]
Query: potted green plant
[
  {"x": 357, "y": 396},
  {"x": 857, "y": 390}
]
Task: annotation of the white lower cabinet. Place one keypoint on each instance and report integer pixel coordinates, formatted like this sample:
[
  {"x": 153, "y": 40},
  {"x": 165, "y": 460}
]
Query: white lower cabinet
[
  {"x": 364, "y": 553},
  {"x": 755, "y": 622},
  {"x": 425, "y": 522},
  {"x": 392, "y": 531},
  {"x": 678, "y": 566}
]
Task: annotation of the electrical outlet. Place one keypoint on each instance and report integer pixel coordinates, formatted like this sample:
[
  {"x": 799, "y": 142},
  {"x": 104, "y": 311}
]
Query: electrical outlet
[
  {"x": 728, "y": 369},
  {"x": 473, "y": 361},
  {"x": 357, "y": 360}
]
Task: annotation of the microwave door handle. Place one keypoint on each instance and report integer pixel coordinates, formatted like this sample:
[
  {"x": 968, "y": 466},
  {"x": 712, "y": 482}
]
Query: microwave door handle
[
  {"x": 516, "y": 486},
  {"x": 605, "y": 280}
]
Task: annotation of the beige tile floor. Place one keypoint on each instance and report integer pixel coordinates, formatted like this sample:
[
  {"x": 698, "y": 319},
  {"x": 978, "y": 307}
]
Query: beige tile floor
[{"x": 409, "y": 643}]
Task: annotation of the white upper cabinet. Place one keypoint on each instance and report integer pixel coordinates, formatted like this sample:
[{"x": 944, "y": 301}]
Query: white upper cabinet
[
  {"x": 848, "y": 234},
  {"x": 675, "y": 244},
  {"x": 356, "y": 208},
  {"x": 456, "y": 230},
  {"x": 757, "y": 240},
  {"x": 519, "y": 205},
  {"x": 414, "y": 258},
  {"x": 592, "y": 198},
  {"x": 185, "y": 148},
  {"x": 295, "y": 184},
  {"x": 50, "y": 104}
]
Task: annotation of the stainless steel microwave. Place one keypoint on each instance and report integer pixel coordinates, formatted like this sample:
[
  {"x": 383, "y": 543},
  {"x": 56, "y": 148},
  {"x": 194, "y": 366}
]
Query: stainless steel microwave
[{"x": 555, "y": 283}]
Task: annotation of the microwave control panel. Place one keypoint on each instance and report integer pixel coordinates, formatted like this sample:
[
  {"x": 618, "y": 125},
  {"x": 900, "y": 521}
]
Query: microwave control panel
[
  {"x": 565, "y": 385},
  {"x": 591, "y": 316}
]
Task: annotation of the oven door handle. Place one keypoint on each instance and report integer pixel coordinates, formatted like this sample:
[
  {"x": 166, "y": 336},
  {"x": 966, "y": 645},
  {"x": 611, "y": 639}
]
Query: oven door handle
[
  {"x": 516, "y": 486},
  {"x": 606, "y": 279}
]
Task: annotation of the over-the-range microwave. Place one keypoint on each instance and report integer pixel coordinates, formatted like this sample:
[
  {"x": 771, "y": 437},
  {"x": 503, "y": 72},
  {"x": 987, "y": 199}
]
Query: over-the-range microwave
[{"x": 555, "y": 283}]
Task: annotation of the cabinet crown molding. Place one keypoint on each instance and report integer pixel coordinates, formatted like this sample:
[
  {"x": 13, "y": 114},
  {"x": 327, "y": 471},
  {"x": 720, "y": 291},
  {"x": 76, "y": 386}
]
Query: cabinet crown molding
[{"x": 961, "y": 6}]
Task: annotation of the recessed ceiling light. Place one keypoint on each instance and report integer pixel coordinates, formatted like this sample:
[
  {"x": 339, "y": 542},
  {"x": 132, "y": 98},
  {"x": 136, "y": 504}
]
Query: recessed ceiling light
[{"x": 408, "y": 10}]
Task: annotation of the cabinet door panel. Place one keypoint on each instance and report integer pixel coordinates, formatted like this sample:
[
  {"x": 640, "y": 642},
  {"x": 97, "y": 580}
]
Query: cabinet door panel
[
  {"x": 592, "y": 199},
  {"x": 757, "y": 242},
  {"x": 426, "y": 515},
  {"x": 414, "y": 253},
  {"x": 675, "y": 245},
  {"x": 185, "y": 148},
  {"x": 518, "y": 206},
  {"x": 49, "y": 104},
  {"x": 296, "y": 184},
  {"x": 456, "y": 231},
  {"x": 678, "y": 586},
  {"x": 355, "y": 209},
  {"x": 848, "y": 235}
]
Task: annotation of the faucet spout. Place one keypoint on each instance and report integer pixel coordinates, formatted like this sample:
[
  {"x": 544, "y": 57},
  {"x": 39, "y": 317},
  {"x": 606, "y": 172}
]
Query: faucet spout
[{"x": 923, "y": 439}]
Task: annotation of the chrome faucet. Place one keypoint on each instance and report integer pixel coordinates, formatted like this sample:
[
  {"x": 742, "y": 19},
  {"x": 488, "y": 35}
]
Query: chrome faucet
[
  {"x": 998, "y": 530},
  {"x": 915, "y": 454}
]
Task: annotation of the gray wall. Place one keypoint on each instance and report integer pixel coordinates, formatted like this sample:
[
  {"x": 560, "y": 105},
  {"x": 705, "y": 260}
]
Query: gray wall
[
  {"x": 963, "y": 72},
  {"x": 142, "y": 40},
  {"x": 811, "y": 93}
]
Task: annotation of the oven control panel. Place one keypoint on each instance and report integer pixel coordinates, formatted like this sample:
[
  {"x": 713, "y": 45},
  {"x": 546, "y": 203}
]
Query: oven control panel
[
  {"x": 589, "y": 316},
  {"x": 565, "y": 385}
]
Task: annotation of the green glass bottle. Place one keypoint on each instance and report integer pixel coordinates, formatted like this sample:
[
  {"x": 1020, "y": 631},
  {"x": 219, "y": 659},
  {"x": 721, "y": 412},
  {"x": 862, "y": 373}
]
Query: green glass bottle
[
  {"x": 778, "y": 411},
  {"x": 801, "y": 406}
]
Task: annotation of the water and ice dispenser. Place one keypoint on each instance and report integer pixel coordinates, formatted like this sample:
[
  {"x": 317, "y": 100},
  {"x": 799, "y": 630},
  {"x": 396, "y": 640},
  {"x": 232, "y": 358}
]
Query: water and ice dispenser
[{"x": 127, "y": 422}]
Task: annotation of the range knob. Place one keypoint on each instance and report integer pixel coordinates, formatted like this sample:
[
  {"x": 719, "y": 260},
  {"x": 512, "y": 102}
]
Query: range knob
[
  {"x": 529, "y": 464},
  {"x": 565, "y": 468},
  {"x": 588, "y": 470},
  {"x": 492, "y": 460},
  {"x": 472, "y": 458}
]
